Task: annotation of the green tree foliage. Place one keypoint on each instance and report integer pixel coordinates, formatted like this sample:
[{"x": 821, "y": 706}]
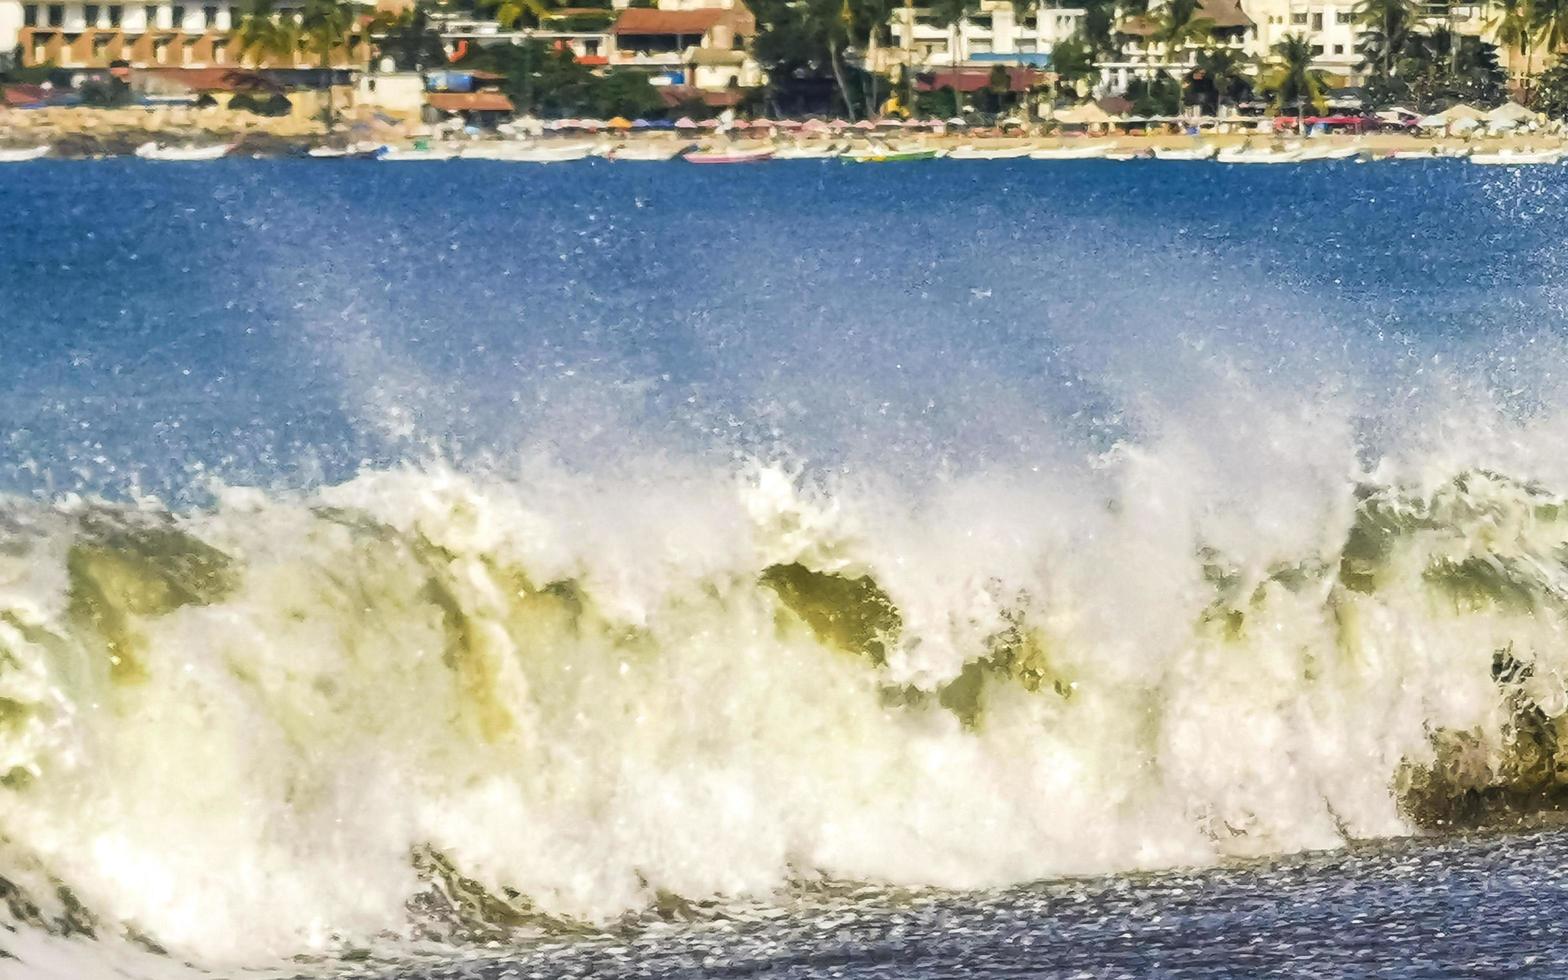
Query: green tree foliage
[
  {"x": 1289, "y": 78},
  {"x": 1222, "y": 77},
  {"x": 107, "y": 92},
  {"x": 1550, "y": 94},
  {"x": 1073, "y": 62},
  {"x": 1388, "y": 26},
  {"x": 1442, "y": 68},
  {"x": 410, "y": 39},
  {"x": 1156, "y": 96},
  {"x": 544, "y": 81}
]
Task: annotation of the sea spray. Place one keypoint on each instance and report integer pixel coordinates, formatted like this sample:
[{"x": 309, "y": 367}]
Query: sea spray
[{"x": 271, "y": 726}]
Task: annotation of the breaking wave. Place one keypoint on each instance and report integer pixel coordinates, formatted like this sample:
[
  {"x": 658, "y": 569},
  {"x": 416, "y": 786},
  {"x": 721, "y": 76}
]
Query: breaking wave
[{"x": 429, "y": 705}]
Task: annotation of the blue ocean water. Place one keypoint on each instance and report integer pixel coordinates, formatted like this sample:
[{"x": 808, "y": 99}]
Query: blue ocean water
[
  {"x": 794, "y": 570},
  {"x": 261, "y": 319}
]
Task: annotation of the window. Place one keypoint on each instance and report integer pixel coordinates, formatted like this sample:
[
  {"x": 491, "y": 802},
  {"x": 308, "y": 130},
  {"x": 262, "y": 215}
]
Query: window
[
  {"x": 40, "y": 52},
  {"x": 1317, "y": 22},
  {"x": 56, "y": 14},
  {"x": 209, "y": 17},
  {"x": 220, "y": 52},
  {"x": 1342, "y": 17},
  {"x": 30, "y": 15},
  {"x": 1339, "y": 49},
  {"x": 177, "y": 17},
  {"x": 1300, "y": 19},
  {"x": 90, "y": 14},
  {"x": 1317, "y": 50},
  {"x": 188, "y": 51},
  {"x": 114, "y": 16},
  {"x": 160, "y": 52},
  {"x": 101, "y": 48},
  {"x": 1027, "y": 47}
]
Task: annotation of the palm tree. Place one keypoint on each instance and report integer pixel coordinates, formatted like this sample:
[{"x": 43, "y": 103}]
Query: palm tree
[
  {"x": 325, "y": 26},
  {"x": 409, "y": 39},
  {"x": 265, "y": 33},
  {"x": 1388, "y": 26},
  {"x": 949, "y": 14},
  {"x": 1550, "y": 19},
  {"x": 1226, "y": 72},
  {"x": 1073, "y": 61},
  {"x": 1291, "y": 76},
  {"x": 1178, "y": 26},
  {"x": 1512, "y": 28}
]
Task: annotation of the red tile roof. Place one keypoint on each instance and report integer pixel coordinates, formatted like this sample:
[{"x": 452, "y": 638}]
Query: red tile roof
[
  {"x": 976, "y": 79},
  {"x": 469, "y": 101},
  {"x": 647, "y": 20}
]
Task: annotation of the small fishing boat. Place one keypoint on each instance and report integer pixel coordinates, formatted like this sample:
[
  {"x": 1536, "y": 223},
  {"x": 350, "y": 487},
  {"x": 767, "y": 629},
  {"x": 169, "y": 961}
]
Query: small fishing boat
[
  {"x": 530, "y": 152},
  {"x": 393, "y": 155},
  {"x": 1092, "y": 151},
  {"x": 183, "y": 154},
  {"x": 1120, "y": 156},
  {"x": 1328, "y": 153},
  {"x": 359, "y": 151},
  {"x": 891, "y": 154},
  {"x": 1204, "y": 152},
  {"x": 1510, "y": 157},
  {"x": 1431, "y": 154},
  {"x": 23, "y": 155},
  {"x": 971, "y": 152},
  {"x": 1243, "y": 154},
  {"x": 807, "y": 151},
  {"x": 754, "y": 155},
  {"x": 647, "y": 152}
]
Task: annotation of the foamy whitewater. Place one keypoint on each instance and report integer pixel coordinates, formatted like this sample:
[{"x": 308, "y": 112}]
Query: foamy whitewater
[{"x": 1202, "y": 593}]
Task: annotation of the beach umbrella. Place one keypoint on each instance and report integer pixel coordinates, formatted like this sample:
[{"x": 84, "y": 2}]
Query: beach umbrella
[
  {"x": 891, "y": 123},
  {"x": 788, "y": 124},
  {"x": 619, "y": 122},
  {"x": 740, "y": 124},
  {"x": 709, "y": 124},
  {"x": 837, "y": 124},
  {"x": 763, "y": 123},
  {"x": 814, "y": 126},
  {"x": 641, "y": 124},
  {"x": 661, "y": 124},
  {"x": 685, "y": 122},
  {"x": 865, "y": 125}
]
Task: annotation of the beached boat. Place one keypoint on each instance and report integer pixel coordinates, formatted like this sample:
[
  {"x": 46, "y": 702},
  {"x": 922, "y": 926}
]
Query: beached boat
[
  {"x": 755, "y": 155},
  {"x": 1509, "y": 157},
  {"x": 1121, "y": 156},
  {"x": 1431, "y": 154},
  {"x": 970, "y": 152},
  {"x": 152, "y": 151},
  {"x": 1184, "y": 153},
  {"x": 23, "y": 155},
  {"x": 807, "y": 151},
  {"x": 356, "y": 152},
  {"x": 393, "y": 155},
  {"x": 1328, "y": 153},
  {"x": 1241, "y": 154},
  {"x": 891, "y": 154},
  {"x": 649, "y": 152},
  {"x": 529, "y": 152},
  {"x": 1091, "y": 151}
]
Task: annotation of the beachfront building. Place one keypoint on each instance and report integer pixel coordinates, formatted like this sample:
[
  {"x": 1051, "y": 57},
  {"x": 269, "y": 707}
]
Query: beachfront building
[
  {"x": 585, "y": 32},
  {"x": 692, "y": 49},
  {"x": 1140, "y": 55},
  {"x": 1331, "y": 29},
  {"x": 136, "y": 34},
  {"x": 995, "y": 32}
]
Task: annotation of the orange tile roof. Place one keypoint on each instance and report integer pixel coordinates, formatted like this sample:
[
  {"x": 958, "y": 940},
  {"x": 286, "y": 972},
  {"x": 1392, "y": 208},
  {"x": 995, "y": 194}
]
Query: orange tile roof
[{"x": 647, "y": 20}]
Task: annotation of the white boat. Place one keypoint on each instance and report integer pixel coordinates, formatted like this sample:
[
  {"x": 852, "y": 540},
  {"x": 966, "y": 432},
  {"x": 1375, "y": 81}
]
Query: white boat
[
  {"x": 1328, "y": 153},
  {"x": 1090, "y": 152},
  {"x": 807, "y": 151},
  {"x": 152, "y": 151},
  {"x": 649, "y": 152},
  {"x": 1431, "y": 154},
  {"x": 359, "y": 151},
  {"x": 970, "y": 152},
  {"x": 415, "y": 156},
  {"x": 1509, "y": 157},
  {"x": 23, "y": 155},
  {"x": 529, "y": 152},
  {"x": 723, "y": 156},
  {"x": 1122, "y": 157},
  {"x": 1204, "y": 152},
  {"x": 1241, "y": 154}
]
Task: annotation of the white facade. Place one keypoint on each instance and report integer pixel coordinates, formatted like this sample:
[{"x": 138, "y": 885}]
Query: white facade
[
  {"x": 996, "y": 29},
  {"x": 192, "y": 17}
]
